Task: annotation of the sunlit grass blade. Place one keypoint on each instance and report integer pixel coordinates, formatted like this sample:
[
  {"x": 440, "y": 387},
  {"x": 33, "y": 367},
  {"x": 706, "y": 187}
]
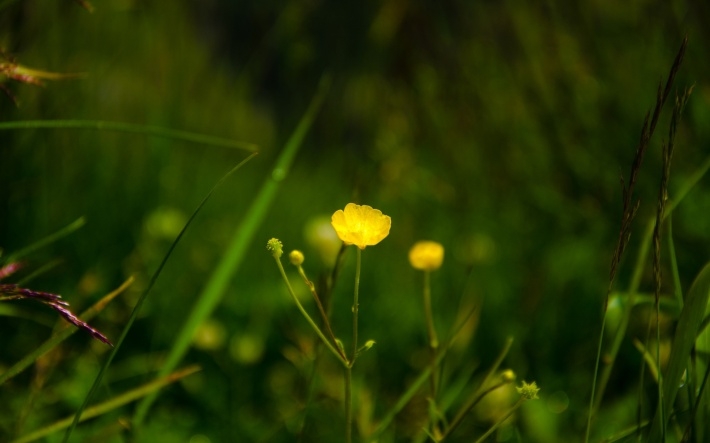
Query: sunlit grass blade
[
  {"x": 677, "y": 287},
  {"x": 685, "y": 335},
  {"x": 62, "y": 335},
  {"x": 141, "y": 299},
  {"x": 215, "y": 287},
  {"x": 648, "y": 358},
  {"x": 114, "y": 403},
  {"x": 155, "y": 131},
  {"x": 71, "y": 227}
]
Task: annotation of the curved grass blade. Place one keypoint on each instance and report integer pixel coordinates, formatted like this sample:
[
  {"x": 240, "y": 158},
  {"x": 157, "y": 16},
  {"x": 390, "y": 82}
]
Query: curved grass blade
[
  {"x": 217, "y": 284},
  {"x": 107, "y": 406},
  {"x": 139, "y": 303},
  {"x": 71, "y": 227},
  {"x": 686, "y": 333},
  {"x": 63, "y": 334},
  {"x": 155, "y": 131}
]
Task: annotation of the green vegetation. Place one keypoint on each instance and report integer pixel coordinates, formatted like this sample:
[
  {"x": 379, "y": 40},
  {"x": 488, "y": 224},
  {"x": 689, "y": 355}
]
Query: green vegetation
[{"x": 149, "y": 150}]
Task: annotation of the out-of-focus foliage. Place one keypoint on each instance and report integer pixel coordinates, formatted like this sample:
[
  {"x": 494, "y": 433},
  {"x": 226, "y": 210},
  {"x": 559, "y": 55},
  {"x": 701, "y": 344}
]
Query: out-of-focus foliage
[{"x": 498, "y": 129}]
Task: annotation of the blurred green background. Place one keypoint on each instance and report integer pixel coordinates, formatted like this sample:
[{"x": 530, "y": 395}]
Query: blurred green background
[{"x": 498, "y": 128}]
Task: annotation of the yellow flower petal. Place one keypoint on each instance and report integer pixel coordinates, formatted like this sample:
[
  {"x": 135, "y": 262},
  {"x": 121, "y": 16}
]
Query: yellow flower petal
[
  {"x": 361, "y": 225},
  {"x": 426, "y": 255}
]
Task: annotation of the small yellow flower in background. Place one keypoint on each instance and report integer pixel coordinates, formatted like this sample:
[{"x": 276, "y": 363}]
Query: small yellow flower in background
[
  {"x": 528, "y": 390},
  {"x": 361, "y": 225},
  {"x": 426, "y": 255}
]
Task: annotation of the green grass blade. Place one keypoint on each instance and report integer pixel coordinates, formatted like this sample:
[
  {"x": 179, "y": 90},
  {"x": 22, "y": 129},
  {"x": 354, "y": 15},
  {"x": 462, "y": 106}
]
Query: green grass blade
[
  {"x": 110, "y": 405},
  {"x": 423, "y": 377},
  {"x": 217, "y": 284},
  {"x": 405, "y": 398},
  {"x": 62, "y": 335},
  {"x": 677, "y": 287},
  {"x": 71, "y": 227},
  {"x": 155, "y": 131},
  {"x": 685, "y": 335},
  {"x": 141, "y": 299}
]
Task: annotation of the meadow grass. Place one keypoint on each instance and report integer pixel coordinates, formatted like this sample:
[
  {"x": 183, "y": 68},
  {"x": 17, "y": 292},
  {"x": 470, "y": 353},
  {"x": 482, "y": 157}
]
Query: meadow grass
[{"x": 481, "y": 152}]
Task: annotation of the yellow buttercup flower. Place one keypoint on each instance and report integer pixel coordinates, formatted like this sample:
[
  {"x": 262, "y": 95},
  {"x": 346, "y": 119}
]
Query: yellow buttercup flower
[
  {"x": 426, "y": 255},
  {"x": 361, "y": 225}
]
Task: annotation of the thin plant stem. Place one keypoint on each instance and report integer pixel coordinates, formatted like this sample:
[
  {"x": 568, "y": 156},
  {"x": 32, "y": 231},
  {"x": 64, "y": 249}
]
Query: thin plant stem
[
  {"x": 433, "y": 346},
  {"x": 308, "y": 317},
  {"x": 355, "y": 303},
  {"x": 348, "y": 404},
  {"x": 433, "y": 339},
  {"x": 480, "y": 392},
  {"x": 473, "y": 401},
  {"x": 500, "y": 422},
  {"x": 155, "y": 131},
  {"x": 349, "y": 368},
  {"x": 323, "y": 314}
]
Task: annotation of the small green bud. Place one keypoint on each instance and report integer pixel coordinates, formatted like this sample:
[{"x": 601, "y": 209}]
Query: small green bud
[
  {"x": 275, "y": 247},
  {"x": 368, "y": 344},
  {"x": 340, "y": 344},
  {"x": 296, "y": 257},
  {"x": 528, "y": 391}
]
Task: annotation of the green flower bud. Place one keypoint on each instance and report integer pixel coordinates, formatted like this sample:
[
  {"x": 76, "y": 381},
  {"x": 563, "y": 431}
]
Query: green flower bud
[
  {"x": 296, "y": 257},
  {"x": 275, "y": 247}
]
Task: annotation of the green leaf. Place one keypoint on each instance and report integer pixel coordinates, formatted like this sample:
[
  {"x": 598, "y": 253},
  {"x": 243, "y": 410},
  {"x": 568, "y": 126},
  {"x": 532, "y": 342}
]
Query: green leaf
[{"x": 685, "y": 336}]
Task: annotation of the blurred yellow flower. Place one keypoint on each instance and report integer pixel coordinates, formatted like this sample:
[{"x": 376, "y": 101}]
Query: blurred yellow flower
[
  {"x": 361, "y": 225},
  {"x": 426, "y": 255}
]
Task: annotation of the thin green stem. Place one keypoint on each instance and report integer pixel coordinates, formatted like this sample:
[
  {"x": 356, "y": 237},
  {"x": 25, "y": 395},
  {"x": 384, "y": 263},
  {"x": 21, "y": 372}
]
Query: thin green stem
[
  {"x": 355, "y": 308},
  {"x": 348, "y": 404},
  {"x": 348, "y": 370},
  {"x": 307, "y": 316},
  {"x": 433, "y": 346},
  {"x": 473, "y": 401},
  {"x": 323, "y": 314},
  {"x": 154, "y": 131},
  {"x": 433, "y": 339},
  {"x": 481, "y": 391},
  {"x": 500, "y": 422}
]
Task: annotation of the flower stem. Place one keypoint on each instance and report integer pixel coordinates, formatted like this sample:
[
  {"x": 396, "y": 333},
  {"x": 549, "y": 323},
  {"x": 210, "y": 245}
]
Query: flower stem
[
  {"x": 433, "y": 339},
  {"x": 308, "y": 317},
  {"x": 356, "y": 305},
  {"x": 348, "y": 369},
  {"x": 433, "y": 347},
  {"x": 323, "y": 314},
  {"x": 348, "y": 404}
]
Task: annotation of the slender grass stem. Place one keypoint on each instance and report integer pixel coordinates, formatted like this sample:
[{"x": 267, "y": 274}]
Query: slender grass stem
[
  {"x": 500, "y": 422},
  {"x": 155, "y": 131}
]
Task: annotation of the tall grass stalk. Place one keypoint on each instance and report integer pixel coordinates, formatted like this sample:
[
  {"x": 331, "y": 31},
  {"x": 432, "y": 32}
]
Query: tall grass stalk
[
  {"x": 141, "y": 299},
  {"x": 243, "y": 236},
  {"x": 62, "y": 335},
  {"x": 630, "y": 207}
]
